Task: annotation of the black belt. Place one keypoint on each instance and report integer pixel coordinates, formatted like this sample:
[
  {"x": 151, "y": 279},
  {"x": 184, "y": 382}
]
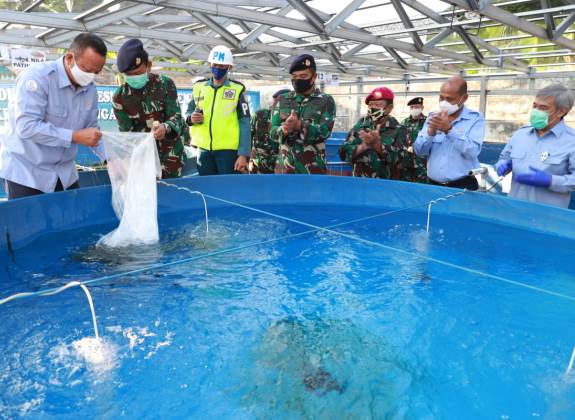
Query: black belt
[{"x": 469, "y": 182}]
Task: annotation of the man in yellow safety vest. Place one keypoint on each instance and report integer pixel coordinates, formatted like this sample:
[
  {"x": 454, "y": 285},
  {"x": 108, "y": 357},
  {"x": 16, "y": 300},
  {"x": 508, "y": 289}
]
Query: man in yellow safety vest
[{"x": 220, "y": 119}]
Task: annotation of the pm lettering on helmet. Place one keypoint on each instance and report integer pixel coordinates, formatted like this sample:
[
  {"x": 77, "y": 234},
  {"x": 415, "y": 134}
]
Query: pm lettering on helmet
[{"x": 221, "y": 54}]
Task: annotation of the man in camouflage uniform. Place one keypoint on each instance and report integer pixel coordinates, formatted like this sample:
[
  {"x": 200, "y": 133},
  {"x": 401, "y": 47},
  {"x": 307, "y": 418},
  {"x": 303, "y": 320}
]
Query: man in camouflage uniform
[
  {"x": 415, "y": 168},
  {"x": 302, "y": 122},
  {"x": 376, "y": 145},
  {"x": 145, "y": 98},
  {"x": 264, "y": 154}
]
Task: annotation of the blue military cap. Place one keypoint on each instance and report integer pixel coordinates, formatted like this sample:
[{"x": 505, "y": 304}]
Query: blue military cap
[
  {"x": 280, "y": 92},
  {"x": 302, "y": 62},
  {"x": 131, "y": 55}
]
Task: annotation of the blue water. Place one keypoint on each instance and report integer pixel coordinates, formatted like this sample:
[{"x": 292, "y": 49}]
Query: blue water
[{"x": 313, "y": 326}]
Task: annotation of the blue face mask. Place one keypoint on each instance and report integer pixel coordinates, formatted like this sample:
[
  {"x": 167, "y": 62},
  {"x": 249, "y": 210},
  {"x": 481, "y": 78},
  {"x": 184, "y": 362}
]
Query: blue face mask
[{"x": 218, "y": 73}]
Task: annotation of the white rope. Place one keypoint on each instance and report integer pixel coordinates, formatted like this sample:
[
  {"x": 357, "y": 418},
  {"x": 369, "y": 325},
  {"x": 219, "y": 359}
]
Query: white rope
[
  {"x": 191, "y": 192},
  {"x": 56, "y": 291},
  {"x": 571, "y": 362}
]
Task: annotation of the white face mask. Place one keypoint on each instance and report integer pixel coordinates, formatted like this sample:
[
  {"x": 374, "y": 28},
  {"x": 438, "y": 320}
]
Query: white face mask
[
  {"x": 83, "y": 78},
  {"x": 450, "y": 108},
  {"x": 415, "y": 112}
]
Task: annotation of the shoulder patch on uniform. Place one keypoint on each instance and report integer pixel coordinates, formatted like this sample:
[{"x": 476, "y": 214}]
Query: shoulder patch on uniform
[{"x": 31, "y": 85}]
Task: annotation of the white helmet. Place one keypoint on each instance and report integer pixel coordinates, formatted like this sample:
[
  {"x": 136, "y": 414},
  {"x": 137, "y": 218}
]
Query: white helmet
[{"x": 221, "y": 54}]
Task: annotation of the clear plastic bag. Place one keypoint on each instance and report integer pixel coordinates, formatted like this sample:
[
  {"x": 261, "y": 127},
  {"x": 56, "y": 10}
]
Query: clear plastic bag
[{"x": 133, "y": 166}]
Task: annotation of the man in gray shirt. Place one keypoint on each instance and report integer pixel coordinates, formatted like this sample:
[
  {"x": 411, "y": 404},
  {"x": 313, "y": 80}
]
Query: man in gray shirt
[{"x": 542, "y": 154}]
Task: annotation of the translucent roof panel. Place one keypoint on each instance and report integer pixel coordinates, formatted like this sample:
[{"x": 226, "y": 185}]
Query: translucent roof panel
[{"x": 372, "y": 38}]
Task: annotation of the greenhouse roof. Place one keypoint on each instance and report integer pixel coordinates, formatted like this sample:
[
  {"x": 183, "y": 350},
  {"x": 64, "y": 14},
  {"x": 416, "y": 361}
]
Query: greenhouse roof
[{"x": 357, "y": 38}]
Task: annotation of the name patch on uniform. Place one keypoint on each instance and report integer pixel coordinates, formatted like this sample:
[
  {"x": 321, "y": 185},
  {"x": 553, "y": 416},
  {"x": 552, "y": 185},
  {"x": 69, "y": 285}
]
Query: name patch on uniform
[{"x": 229, "y": 94}]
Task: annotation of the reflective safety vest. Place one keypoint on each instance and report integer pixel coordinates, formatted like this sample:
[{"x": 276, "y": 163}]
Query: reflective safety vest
[{"x": 220, "y": 129}]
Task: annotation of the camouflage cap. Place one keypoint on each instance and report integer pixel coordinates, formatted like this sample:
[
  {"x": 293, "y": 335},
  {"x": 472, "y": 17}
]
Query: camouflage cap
[{"x": 131, "y": 55}]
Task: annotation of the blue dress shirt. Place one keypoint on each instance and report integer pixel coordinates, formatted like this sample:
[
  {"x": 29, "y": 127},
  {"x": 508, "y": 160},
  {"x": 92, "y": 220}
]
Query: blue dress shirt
[
  {"x": 37, "y": 148},
  {"x": 553, "y": 153},
  {"x": 450, "y": 156}
]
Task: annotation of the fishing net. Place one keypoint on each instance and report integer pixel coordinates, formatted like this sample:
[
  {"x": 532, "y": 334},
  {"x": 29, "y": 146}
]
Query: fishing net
[{"x": 133, "y": 166}]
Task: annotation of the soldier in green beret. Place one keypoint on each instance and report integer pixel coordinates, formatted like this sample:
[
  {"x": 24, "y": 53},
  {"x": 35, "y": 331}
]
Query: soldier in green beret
[
  {"x": 264, "y": 151},
  {"x": 415, "y": 168}
]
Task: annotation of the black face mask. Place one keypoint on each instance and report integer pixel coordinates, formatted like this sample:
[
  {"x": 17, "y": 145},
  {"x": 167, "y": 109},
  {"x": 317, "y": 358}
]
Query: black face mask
[{"x": 302, "y": 85}]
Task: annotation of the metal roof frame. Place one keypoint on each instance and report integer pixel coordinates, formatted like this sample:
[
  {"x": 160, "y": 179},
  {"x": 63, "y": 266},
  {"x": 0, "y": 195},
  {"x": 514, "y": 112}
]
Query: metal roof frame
[{"x": 184, "y": 30}]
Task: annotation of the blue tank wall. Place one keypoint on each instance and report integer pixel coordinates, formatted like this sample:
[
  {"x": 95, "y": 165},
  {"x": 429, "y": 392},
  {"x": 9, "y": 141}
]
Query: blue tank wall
[{"x": 23, "y": 220}]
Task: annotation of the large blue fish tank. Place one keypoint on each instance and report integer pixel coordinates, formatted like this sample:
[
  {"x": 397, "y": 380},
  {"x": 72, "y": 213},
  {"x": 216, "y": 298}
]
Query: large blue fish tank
[{"x": 306, "y": 297}]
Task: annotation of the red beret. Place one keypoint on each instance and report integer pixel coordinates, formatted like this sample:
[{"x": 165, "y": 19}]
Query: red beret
[{"x": 378, "y": 94}]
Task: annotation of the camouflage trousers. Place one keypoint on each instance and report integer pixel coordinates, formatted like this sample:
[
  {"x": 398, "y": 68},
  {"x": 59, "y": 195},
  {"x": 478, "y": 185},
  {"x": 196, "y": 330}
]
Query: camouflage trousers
[
  {"x": 417, "y": 174},
  {"x": 262, "y": 162},
  {"x": 300, "y": 159}
]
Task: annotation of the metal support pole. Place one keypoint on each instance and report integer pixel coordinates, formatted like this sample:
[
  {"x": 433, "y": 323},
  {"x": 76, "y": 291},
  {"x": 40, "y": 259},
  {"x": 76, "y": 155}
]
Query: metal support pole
[
  {"x": 483, "y": 96},
  {"x": 359, "y": 99}
]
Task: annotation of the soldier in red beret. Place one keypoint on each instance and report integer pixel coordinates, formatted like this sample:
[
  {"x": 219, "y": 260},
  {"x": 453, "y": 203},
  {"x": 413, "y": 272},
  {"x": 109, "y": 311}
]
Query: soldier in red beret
[{"x": 377, "y": 143}]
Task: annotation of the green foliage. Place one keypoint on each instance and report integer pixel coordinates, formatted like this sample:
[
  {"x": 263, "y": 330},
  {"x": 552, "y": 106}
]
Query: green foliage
[{"x": 518, "y": 39}]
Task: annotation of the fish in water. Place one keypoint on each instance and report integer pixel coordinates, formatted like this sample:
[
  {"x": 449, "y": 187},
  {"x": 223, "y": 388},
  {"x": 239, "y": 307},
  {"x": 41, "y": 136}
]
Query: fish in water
[{"x": 321, "y": 382}]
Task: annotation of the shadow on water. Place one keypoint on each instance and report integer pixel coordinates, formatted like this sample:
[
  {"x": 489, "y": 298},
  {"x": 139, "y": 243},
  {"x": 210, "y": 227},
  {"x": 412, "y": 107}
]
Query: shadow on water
[{"x": 310, "y": 367}]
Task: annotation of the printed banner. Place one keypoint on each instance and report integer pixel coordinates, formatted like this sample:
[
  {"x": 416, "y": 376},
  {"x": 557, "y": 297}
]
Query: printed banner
[
  {"x": 23, "y": 58},
  {"x": 328, "y": 79},
  {"x": 106, "y": 116}
]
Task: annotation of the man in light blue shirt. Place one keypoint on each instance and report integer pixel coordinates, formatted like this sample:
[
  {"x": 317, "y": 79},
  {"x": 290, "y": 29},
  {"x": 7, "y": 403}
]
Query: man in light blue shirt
[
  {"x": 451, "y": 139},
  {"x": 55, "y": 108},
  {"x": 542, "y": 154}
]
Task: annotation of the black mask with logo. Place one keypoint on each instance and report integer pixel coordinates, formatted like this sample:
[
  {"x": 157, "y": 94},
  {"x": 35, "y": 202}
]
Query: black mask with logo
[
  {"x": 302, "y": 85},
  {"x": 376, "y": 113}
]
